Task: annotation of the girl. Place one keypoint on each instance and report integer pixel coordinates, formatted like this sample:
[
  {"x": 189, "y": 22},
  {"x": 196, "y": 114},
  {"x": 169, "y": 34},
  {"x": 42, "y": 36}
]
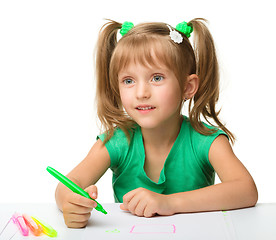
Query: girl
[{"x": 162, "y": 162}]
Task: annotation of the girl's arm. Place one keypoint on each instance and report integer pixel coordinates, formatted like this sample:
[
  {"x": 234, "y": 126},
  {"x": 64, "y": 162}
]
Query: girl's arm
[
  {"x": 76, "y": 209},
  {"x": 236, "y": 190}
]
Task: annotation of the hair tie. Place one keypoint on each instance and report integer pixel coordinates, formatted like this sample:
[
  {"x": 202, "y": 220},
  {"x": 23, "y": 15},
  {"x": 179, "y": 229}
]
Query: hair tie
[
  {"x": 126, "y": 26},
  {"x": 185, "y": 28}
]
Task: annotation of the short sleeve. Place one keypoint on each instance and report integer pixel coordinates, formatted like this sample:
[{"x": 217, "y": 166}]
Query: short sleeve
[
  {"x": 202, "y": 144},
  {"x": 117, "y": 147}
]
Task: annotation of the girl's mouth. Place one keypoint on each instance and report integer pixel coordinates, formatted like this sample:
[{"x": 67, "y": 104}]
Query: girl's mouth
[{"x": 145, "y": 109}]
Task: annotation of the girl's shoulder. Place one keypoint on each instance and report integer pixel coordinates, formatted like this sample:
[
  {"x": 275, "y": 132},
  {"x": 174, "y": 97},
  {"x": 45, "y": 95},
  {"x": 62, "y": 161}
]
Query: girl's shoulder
[
  {"x": 118, "y": 145},
  {"x": 199, "y": 143},
  {"x": 118, "y": 138},
  {"x": 214, "y": 131}
]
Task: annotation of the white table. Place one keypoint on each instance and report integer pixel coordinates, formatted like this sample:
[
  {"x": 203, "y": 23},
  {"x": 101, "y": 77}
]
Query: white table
[{"x": 252, "y": 223}]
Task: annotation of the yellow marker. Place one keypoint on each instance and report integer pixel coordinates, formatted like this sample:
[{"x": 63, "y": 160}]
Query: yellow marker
[{"x": 47, "y": 229}]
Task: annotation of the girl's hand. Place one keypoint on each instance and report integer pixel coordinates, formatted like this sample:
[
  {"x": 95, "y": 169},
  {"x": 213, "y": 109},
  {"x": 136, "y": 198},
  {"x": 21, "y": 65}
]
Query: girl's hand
[
  {"x": 77, "y": 209},
  {"x": 145, "y": 203}
]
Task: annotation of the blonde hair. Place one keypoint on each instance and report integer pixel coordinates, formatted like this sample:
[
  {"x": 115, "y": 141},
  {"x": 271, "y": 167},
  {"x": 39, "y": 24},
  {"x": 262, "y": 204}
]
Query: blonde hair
[{"x": 183, "y": 59}]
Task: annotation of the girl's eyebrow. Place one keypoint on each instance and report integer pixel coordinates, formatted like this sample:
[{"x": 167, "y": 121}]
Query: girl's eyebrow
[
  {"x": 124, "y": 74},
  {"x": 150, "y": 71}
]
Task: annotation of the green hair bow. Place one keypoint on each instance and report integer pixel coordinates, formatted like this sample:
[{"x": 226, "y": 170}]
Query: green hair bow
[
  {"x": 126, "y": 26},
  {"x": 185, "y": 28}
]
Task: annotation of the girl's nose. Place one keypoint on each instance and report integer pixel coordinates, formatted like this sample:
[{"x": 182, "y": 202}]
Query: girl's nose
[{"x": 143, "y": 91}]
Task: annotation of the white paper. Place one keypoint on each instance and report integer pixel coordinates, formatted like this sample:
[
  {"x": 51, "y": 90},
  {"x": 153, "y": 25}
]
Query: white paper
[{"x": 118, "y": 224}]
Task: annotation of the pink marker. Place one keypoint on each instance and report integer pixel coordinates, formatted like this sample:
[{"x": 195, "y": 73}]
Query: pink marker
[{"x": 19, "y": 221}]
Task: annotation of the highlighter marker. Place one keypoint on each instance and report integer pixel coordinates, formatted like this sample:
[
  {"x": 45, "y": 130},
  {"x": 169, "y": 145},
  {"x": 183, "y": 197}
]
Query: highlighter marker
[
  {"x": 74, "y": 187},
  {"x": 19, "y": 221},
  {"x": 46, "y": 228},
  {"x": 35, "y": 228}
]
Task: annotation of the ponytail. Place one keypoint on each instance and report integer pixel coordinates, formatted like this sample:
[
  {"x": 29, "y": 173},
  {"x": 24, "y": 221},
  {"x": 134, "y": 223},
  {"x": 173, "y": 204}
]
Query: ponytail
[
  {"x": 208, "y": 71},
  {"x": 109, "y": 108}
]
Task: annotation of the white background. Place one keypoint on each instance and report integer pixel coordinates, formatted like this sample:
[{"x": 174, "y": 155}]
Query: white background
[{"x": 47, "y": 85}]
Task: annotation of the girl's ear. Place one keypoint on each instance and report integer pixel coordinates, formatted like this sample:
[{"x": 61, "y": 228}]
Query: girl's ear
[{"x": 191, "y": 86}]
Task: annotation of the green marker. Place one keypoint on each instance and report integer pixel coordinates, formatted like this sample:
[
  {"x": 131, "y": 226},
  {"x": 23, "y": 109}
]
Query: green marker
[{"x": 74, "y": 187}]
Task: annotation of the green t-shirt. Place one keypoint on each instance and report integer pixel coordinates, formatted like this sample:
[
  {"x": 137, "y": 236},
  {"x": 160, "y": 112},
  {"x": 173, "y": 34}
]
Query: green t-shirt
[{"x": 186, "y": 168}]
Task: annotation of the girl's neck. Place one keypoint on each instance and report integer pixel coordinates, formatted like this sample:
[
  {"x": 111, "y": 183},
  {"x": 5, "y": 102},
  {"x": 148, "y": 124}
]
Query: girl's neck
[{"x": 164, "y": 136}]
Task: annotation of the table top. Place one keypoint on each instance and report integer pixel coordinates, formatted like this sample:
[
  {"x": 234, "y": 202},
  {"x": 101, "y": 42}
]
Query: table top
[{"x": 250, "y": 223}]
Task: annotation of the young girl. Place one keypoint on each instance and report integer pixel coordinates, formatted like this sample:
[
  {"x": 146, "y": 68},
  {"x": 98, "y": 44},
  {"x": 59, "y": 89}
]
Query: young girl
[{"x": 162, "y": 162}]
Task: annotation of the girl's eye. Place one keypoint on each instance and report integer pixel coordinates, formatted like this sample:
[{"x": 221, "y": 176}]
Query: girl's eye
[
  {"x": 157, "y": 78},
  {"x": 128, "y": 81}
]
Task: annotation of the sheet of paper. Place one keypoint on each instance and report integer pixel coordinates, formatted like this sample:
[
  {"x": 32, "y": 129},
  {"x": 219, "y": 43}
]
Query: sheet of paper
[
  {"x": 7, "y": 228},
  {"x": 118, "y": 224}
]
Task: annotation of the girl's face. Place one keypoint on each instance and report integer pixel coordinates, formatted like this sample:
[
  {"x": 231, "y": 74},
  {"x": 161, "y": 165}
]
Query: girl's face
[{"x": 150, "y": 95}]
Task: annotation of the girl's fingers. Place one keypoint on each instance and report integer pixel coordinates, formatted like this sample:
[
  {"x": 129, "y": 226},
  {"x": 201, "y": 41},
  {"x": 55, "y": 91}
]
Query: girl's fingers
[
  {"x": 78, "y": 217},
  {"x": 76, "y": 224},
  {"x": 148, "y": 212},
  {"x": 140, "y": 208},
  {"x": 92, "y": 191},
  {"x": 122, "y": 206},
  {"x": 76, "y": 220},
  {"x": 79, "y": 200},
  {"x": 128, "y": 197},
  {"x": 76, "y": 209},
  {"x": 133, "y": 204}
]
